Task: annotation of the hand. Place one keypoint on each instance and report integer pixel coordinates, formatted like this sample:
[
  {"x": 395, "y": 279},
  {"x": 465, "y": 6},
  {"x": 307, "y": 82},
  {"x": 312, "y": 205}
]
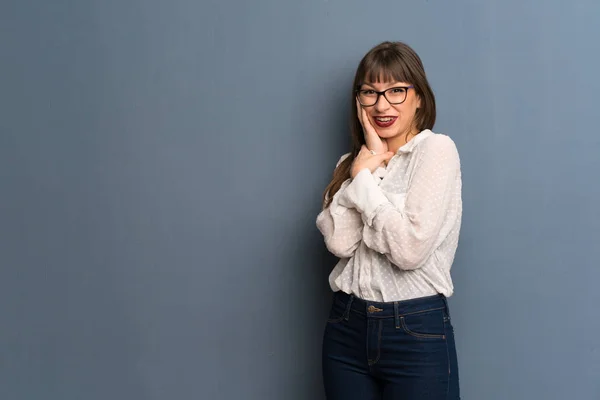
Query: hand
[
  {"x": 372, "y": 139},
  {"x": 365, "y": 159}
]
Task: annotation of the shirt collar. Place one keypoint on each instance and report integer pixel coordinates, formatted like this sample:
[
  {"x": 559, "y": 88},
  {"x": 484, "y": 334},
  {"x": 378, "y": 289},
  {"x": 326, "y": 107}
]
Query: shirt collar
[{"x": 411, "y": 144}]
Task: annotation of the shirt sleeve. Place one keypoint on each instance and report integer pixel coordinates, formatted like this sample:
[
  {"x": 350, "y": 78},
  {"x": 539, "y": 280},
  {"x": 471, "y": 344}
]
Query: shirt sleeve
[
  {"x": 408, "y": 234},
  {"x": 341, "y": 226}
]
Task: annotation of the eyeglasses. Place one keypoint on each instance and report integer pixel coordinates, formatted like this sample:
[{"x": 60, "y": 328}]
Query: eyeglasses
[{"x": 370, "y": 97}]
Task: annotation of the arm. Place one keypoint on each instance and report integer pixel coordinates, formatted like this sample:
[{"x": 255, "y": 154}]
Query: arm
[
  {"x": 408, "y": 235},
  {"x": 341, "y": 226}
]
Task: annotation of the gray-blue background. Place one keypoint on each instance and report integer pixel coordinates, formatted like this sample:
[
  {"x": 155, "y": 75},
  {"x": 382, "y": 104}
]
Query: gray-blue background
[{"x": 161, "y": 166}]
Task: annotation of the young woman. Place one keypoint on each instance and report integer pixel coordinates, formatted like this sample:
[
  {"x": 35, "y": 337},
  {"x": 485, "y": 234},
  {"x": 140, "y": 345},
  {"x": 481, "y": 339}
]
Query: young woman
[{"x": 392, "y": 214}]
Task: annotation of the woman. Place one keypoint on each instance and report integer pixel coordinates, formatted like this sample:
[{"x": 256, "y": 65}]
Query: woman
[{"x": 392, "y": 214}]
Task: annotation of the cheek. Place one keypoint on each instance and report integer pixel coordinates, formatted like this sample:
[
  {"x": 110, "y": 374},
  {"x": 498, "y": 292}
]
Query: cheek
[
  {"x": 406, "y": 117},
  {"x": 408, "y": 112}
]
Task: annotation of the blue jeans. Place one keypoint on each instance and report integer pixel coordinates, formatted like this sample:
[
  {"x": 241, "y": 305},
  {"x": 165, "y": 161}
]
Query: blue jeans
[{"x": 400, "y": 350}]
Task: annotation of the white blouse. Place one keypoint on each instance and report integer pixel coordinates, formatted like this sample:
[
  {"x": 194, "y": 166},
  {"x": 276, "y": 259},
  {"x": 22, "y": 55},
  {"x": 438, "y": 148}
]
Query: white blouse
[{"x": 396, "y": 230}]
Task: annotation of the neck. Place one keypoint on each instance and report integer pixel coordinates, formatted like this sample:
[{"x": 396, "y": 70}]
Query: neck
[{"x": 395, "y": 143}]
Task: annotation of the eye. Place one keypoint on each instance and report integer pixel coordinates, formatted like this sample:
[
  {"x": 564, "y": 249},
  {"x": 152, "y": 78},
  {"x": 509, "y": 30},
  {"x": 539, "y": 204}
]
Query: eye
[
  {"x": 398, "y": 90},
  {"x": 367, "y": 92}
]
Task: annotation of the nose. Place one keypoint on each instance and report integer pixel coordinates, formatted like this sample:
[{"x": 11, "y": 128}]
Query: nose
[{"x": 382, "y": 104}]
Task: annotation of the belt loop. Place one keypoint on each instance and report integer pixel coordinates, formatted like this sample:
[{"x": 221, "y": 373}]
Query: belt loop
[
  {"x": 447, "y": 310},
  {"x": 348, "y": 305},
  {"x": 445, "y": 302},
  {"x": 396, "y": 315}
]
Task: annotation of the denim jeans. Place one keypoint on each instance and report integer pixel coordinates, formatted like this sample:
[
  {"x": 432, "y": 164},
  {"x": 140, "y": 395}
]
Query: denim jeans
[{"x": 396, "y": 350}]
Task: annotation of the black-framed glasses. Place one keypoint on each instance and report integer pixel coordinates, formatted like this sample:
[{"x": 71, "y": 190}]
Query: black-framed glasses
[{"x": 394, "y": 95}]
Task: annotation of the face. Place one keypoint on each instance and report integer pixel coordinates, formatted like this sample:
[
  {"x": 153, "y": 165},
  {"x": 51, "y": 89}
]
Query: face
[{"x": 392, "y": 121}]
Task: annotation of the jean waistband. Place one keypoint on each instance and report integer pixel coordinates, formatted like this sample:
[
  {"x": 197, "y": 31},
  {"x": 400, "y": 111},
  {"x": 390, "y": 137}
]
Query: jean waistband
[{"x": 374, "y": 309}]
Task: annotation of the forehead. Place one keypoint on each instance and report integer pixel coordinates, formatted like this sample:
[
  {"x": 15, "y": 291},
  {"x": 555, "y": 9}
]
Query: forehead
[
  {"x": 380, "y": 76},
  {"x": 388, "y": 70},
  {"x": 381, "y": 85}
]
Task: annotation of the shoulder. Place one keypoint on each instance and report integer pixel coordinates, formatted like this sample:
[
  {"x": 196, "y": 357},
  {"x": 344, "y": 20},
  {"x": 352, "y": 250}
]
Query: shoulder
[
  {"x": 439, "y": 149},
  {"x": 342, "y": 158},
  {"x": 438, "y": 143}
]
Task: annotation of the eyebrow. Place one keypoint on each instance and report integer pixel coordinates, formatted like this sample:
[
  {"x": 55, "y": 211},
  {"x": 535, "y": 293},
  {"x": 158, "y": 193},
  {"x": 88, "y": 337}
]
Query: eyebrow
[{"x": 396, "y": 84}]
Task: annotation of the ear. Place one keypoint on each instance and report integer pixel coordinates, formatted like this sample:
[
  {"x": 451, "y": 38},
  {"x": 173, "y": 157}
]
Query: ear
[{"x": 418, "y": 102}]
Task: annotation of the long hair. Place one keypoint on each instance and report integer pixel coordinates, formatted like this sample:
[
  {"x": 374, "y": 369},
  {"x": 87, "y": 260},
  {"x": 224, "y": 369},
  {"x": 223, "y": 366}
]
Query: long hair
[{"x": 386, "y": 62}]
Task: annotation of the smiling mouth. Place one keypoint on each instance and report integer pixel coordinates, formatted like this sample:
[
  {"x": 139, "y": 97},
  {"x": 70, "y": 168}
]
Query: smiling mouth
[{"x": 384, "y": 122}]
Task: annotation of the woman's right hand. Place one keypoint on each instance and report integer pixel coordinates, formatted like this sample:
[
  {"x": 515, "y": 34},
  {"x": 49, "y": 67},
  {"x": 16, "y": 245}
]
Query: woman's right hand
[
  {"x": 372, "y": 139},
  {"x": 367, "y": 160}
]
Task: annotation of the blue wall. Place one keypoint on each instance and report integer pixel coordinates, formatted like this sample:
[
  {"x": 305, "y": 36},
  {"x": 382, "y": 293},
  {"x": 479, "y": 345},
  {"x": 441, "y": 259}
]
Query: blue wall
[{"x": 161, "y": 165}]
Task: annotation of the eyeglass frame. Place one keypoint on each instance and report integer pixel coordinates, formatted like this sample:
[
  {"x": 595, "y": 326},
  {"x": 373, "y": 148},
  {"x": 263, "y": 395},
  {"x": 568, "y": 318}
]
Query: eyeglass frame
[{"x": 379, "y": 94}]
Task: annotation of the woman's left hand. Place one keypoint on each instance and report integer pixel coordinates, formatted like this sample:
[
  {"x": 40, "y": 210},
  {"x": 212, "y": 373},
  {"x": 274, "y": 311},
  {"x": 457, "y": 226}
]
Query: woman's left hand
[
  {"x": 366, "y": 159},
  {"x": 372, "y": 139}
]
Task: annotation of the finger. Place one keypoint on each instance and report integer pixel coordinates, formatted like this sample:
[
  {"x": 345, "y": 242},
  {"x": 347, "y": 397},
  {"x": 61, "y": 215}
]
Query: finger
[
  {"x": 363, "y": 116},
  {"x": 363, "y": 150},
  {"x": 359, "y": 111},
  {"x": 385, "y": 156},
  {"x": 367, "y": 124},
  {"x": 375, "y": 161}
]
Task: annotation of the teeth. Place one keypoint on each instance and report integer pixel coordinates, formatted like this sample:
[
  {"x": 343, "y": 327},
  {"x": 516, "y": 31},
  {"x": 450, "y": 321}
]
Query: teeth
[{"x": 388, "y": 119}]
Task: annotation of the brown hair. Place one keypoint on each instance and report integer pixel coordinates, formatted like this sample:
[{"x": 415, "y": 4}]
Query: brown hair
[{"x": 388, "y": 61}]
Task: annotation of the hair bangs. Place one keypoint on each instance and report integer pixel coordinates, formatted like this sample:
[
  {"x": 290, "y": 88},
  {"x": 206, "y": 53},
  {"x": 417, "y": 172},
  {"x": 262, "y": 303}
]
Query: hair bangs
[{"x": 386, "y": 66}]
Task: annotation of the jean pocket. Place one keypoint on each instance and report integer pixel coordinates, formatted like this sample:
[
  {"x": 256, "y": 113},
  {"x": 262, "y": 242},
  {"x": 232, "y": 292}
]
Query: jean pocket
[{"x": 429, "y": 324}]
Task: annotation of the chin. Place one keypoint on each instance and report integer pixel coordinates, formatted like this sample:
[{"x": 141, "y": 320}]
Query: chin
[{"x": 387, "y": 134}]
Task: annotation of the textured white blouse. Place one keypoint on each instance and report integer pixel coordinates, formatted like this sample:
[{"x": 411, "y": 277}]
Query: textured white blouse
[{"x": 396, "y": 230}]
